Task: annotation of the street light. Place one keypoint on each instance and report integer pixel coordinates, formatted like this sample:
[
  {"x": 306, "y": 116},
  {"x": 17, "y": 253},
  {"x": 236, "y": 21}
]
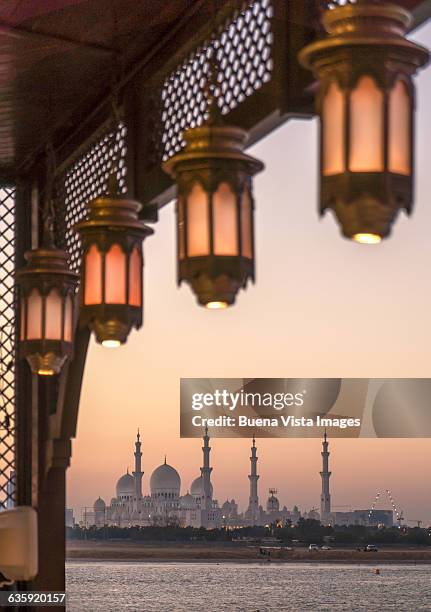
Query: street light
[
  {"x": 112, "y": 266},
  {"x": 215, "y": 237},
  {"x": 366, "y": 106}
]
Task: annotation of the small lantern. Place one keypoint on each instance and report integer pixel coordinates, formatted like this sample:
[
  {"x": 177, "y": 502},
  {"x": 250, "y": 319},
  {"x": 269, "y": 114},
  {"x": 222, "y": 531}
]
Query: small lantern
[
  {"x": 366, "y": 107},
  {"x": 112, "y": 264},
  {"x": 214, "y": 211},
  {"x": 47, "y": 303}
]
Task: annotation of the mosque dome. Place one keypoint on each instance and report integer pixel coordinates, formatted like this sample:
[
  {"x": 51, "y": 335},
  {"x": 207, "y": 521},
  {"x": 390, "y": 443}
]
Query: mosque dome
[
  {"x": 165, "y": 478},
  {"x": 197, "y": 488},
  {"x": 99, "y": 505},
  {"x": 187, "y": 501},
  {"x": 125, "y": 485}
]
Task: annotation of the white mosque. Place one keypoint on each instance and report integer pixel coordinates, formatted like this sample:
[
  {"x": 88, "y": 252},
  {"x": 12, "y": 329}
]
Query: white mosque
[{"x": 164, "y": 505}]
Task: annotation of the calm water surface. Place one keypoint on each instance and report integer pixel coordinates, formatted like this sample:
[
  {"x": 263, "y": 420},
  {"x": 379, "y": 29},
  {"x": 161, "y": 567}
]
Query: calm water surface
[{"x": 210, "y": 587}]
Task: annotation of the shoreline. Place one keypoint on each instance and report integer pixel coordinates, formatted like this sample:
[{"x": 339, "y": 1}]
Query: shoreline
[{"x": 94, "y": 551}]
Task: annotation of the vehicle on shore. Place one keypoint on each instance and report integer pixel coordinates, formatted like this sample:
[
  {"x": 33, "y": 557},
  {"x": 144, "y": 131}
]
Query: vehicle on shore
[
  {"x": 369, "y": 548},
  {"x": 313, "y": 547}
]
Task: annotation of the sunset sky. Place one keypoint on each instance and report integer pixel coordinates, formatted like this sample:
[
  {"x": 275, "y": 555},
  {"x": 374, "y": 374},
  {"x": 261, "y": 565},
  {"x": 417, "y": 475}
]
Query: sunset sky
[{"x": 321, "y": 307}]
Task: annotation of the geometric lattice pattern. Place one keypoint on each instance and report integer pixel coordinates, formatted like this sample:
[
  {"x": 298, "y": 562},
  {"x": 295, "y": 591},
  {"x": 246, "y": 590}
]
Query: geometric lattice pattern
[
  {"x": 243, "y": 52},
  {"x": 84, "y": 179},
  {"x": 7, "y": 346}
]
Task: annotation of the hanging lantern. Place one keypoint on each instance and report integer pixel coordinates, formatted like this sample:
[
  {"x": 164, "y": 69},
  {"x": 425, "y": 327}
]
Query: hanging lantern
[
  {"x": 47, "y": 289},
  {"x": 366, "y": 106},
  {"x": 215, "y": 241},
  {"x": 47, "y": 301},
  {"x": 111, "y": 294}
]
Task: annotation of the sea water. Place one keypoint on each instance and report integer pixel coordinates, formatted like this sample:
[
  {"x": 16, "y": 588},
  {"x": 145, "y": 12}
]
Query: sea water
[{"x": 246, "y": 587}]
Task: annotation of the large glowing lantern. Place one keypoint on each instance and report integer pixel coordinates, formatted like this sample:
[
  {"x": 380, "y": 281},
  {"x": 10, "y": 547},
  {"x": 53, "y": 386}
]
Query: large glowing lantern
[
  {"x": 366, "y": 106},
  {"x": 214, "y": 212},
  {"x": 112, "y": 267},
  {"x": 47, "y": 306}
]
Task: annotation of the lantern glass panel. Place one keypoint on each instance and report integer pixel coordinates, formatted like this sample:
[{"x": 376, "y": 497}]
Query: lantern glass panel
[
  {"x": 34, "y": 316},
  {"x": 115, "y": 276},
  {"x": 198, "y": 234},
  {"x": 333, "y": 126},
  {"x": 181, "y": 229},
  {"x": 53, "y": 316},
  {"x": 225, "y": 214},
  {"x": 399, "y": 129},
  {"x": 366, "y": 127},
  {"x": 135, "y": 278},
  {"x": 246, "y": 225},
  {"x": 68, "y": 319},
  {"x": 93, "y": 276}
]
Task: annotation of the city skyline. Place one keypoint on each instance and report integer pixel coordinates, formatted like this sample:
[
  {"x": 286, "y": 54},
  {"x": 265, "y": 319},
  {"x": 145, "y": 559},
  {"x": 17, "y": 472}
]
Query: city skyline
[
  {"x": 258, "y": 496},
  {"x": 321, "y": 307}
]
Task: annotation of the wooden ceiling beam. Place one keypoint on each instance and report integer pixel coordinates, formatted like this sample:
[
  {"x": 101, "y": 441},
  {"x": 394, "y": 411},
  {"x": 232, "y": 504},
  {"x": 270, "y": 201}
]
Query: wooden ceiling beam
[{"x": 22, "y": 32}]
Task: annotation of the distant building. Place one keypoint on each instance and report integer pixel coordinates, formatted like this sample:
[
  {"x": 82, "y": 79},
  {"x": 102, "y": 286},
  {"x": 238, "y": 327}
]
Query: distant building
[
  {"x": 367, "y": 518},
  {"x": 373, "y": 517},
  {"x": 164, "y": 505},
  {"x": 70, "y": 520}
]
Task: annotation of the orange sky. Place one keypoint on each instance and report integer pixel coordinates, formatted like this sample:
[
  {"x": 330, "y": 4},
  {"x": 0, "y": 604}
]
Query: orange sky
[{"x": 321, "y": 307}]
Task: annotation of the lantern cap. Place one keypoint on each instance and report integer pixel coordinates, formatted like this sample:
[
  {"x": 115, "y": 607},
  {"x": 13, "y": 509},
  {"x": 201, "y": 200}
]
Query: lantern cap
[
  {"x": 366, "y": 23},
  {"x": 114, "y": 211},
  {"x": 213, "y": 142},
  {"x": 367, "y": 16},
  {"x": 47, "y": 260}
]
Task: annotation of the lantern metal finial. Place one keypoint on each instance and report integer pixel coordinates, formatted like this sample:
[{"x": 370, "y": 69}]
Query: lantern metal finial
[
  {"x": 366, "y": 105},
  {"x": 47, "y": 296},
  {"x": 214, "y": 206}
]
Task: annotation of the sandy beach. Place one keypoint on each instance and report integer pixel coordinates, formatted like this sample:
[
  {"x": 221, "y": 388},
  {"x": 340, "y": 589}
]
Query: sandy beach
[{"x": 88, "y": 550}]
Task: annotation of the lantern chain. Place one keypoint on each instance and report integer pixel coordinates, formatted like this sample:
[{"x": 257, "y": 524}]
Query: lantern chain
[{"x": 48, "y": 239}]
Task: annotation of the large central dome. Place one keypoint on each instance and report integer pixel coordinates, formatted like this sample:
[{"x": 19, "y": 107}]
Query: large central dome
[
  {"x": 125, "y": 485},
  {"x": 197, "y": 488},
  {"x": 165, "y": 479}
]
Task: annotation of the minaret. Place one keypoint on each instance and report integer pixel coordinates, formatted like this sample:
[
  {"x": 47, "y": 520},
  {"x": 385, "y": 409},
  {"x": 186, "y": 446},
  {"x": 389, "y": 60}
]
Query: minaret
[
  {"x": 253, "y": 504},
  {"x": 206, "y": 472},
  {"x": 325, "y": 498},
  {"x": 138, "y": 474}
]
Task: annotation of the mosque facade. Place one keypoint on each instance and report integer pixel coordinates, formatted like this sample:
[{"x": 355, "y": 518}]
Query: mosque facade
[{"x": 164, "y": 505}]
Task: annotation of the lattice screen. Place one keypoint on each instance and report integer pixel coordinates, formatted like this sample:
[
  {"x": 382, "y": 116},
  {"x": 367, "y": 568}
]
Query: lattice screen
[
  {"x": 243, "y": 48},
  {"x": 85, "y": 178},
  {"x": 7, "y": 346}
]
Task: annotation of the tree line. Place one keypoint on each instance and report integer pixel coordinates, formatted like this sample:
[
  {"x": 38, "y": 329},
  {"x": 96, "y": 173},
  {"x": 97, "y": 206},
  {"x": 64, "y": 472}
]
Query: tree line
[{"x": 305, "y": 531}]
